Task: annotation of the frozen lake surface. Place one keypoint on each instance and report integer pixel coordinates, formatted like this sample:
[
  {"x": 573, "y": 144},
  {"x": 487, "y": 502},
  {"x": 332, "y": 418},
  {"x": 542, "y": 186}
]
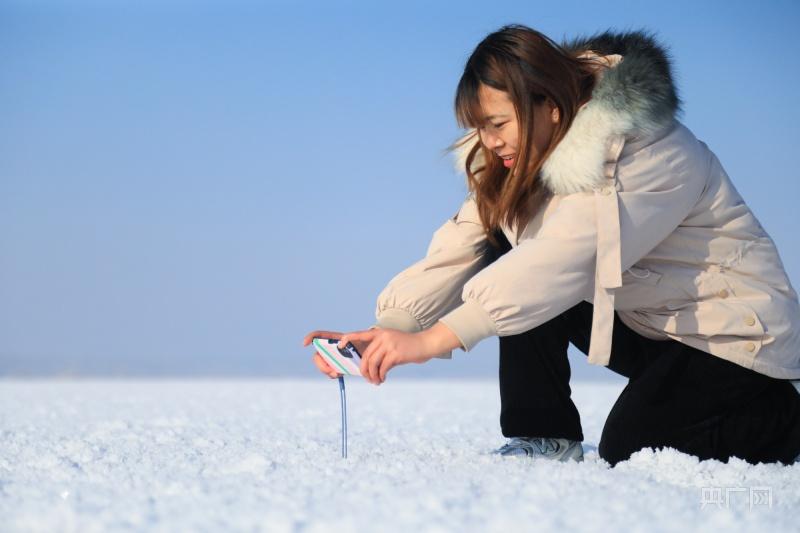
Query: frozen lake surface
[{"x": 207, "y": 455}]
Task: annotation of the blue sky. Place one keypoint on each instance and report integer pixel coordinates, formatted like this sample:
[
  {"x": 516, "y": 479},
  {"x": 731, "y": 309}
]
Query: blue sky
[{"x": 175, "y": 181}]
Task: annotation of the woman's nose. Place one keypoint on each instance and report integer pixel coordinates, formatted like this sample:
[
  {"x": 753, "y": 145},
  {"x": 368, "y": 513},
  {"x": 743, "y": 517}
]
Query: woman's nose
[{"x": 492, "y": 141}]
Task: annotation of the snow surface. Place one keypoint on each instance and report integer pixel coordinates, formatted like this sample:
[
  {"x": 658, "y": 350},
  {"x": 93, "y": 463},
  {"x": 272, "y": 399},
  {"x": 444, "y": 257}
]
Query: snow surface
[{"x": 265, "y": 456}]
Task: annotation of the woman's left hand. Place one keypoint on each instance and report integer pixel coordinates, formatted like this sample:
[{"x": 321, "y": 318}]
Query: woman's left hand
[{"x": 391, "y": 347}]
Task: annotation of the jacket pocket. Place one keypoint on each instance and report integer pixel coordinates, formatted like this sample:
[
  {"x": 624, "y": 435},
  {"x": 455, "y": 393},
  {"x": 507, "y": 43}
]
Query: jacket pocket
[{"x": 640, "y": 289}]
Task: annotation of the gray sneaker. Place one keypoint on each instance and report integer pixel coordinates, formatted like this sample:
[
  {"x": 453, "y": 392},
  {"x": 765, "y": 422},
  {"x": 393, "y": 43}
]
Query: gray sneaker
[{"x": 556, "y": 449}]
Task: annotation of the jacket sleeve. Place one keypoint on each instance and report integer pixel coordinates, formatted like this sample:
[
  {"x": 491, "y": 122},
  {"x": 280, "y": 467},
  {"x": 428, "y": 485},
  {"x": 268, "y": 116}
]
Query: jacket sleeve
[
  {"x": 547, "y": 274},
  {"x": 416, "y": 297}
]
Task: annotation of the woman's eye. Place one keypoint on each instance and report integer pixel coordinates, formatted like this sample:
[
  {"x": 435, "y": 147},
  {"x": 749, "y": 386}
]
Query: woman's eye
[{"x": 498, "y": 126}]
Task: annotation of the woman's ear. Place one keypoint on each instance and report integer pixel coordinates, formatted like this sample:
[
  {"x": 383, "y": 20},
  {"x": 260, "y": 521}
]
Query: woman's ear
[{"x": 555, "y": 116}]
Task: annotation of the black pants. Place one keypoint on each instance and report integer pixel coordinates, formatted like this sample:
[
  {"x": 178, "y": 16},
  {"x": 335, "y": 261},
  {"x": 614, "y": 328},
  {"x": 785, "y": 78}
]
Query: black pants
[{"x": 676, "y": 396}]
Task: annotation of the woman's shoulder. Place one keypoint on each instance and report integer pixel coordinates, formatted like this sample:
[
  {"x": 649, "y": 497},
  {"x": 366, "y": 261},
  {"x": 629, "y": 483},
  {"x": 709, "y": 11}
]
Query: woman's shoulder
[
  {"x": 672, "y": 137},
  {"x": 663, "y": 160}
]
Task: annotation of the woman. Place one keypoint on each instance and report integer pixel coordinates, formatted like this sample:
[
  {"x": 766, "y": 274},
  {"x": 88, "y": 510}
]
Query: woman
[{"x": 596, "y": 218}]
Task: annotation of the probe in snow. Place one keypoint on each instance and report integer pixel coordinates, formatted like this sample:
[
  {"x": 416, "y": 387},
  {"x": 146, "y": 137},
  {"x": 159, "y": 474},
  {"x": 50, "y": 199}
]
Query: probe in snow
[{"x": 346, "y": 360}]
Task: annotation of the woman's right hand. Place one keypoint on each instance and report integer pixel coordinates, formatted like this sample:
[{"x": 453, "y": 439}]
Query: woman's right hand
[{"x": 321, "y": 364}]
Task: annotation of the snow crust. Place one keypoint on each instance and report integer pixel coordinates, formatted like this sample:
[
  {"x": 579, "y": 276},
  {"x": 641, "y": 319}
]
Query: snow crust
[{"x": 264, "y": 455}]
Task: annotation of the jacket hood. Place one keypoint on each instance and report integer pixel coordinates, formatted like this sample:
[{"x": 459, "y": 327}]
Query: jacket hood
[{"x": 634, "y": 97}]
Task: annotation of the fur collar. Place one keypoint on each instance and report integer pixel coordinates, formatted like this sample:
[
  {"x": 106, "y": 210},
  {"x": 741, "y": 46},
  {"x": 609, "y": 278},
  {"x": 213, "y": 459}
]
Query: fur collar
[{"x": 636, "y": 96}]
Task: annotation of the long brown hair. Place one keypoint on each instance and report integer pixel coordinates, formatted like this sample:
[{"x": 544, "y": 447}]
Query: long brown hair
[{"x": 530, "y": 67}]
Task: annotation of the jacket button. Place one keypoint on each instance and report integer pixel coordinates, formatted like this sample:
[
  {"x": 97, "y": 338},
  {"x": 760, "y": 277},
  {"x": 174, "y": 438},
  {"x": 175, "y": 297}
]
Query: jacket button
[
  {"x": 607, "y": 191},
  {"x": 723, "y": 293},
  {"x": 750, "y": 321},
  {"x": 750, "y": 347}
]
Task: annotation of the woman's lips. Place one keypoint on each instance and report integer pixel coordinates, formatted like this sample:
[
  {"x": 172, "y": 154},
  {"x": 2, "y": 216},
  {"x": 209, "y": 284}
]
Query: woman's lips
[{"x": 508, "y": 163}]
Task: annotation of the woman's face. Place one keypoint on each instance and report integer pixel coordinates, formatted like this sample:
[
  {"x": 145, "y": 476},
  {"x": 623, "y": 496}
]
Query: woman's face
[{"x": 500, "y": 133}]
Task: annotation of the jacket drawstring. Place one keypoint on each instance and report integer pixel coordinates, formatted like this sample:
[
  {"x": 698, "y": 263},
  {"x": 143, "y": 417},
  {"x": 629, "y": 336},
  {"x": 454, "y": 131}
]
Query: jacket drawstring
[{"x": 608, "y": 271}]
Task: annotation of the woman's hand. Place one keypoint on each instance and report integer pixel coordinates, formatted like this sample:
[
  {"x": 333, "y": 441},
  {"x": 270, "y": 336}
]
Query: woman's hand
[
  {"x": 391, "y": 347},
  {"x": 321, "y": 364}
]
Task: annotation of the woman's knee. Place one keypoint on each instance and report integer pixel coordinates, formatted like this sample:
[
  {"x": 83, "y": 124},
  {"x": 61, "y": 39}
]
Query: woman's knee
[
  {"x": 626, "y": 429},
  {"x": 614, "y": 448}
]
